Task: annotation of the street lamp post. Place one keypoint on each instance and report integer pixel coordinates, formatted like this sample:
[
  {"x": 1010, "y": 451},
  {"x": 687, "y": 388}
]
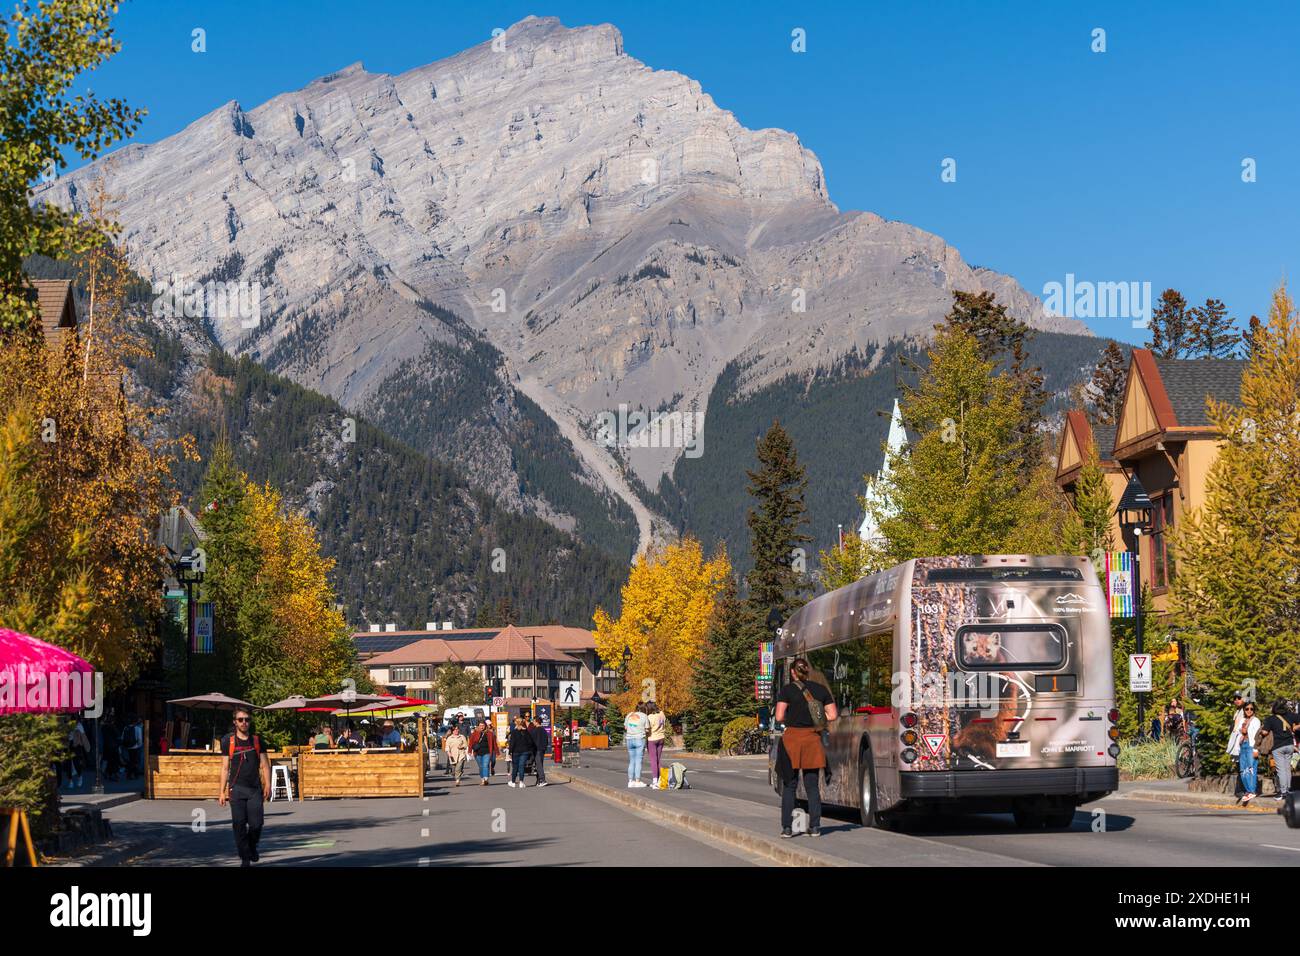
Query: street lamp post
[
  {"x": 1134, "y": 514},
  {"x": 627, "y": 662},
  {"x": 189, "y": 572}
]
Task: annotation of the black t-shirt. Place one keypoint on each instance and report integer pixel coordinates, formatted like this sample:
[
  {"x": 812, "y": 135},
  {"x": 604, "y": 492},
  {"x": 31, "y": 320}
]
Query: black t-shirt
[
  {"x": 1282, "y": 736},
  {"x": 246, "y": 763},
  {"x": 796, "y": 708}
]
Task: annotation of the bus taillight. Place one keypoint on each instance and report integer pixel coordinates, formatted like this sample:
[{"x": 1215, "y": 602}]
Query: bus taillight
[
  {"x": 1113, "y": 715},
  {"x": 909, "y": 720},
  {"x": 909, "y": 737},
  {"x": 908, "y": 755}
]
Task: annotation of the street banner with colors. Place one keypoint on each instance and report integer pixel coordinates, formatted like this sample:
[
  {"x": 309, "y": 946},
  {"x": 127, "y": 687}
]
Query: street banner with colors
[
  {"x": 203, "y": 627},
  {"x": 1119, "y": 583}
]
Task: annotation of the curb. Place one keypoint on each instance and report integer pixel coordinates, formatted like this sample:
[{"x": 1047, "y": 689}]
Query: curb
[
  {"x": 1212, "y": 800},
  {"x": 109, "y": 801},
  {"x": 682, "y": 754},
  {"x": 737, "y": 837}
]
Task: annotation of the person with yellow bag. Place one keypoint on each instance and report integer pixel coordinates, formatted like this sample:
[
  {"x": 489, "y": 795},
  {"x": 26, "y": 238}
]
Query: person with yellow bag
[{"x": 656, "y": 732}]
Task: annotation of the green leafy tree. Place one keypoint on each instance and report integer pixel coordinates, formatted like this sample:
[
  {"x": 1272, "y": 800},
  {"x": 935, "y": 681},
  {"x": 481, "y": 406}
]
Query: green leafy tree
[
  {"x": 43, "y": 51},
  {"x": 457, "y": 685},
  {"x": 1090, "y": 529},
  {"x": 777, "y": 580},
  {"x": 852, "y": 560},
  {"x": 1237, "y": 591},
  {"x": 959, "y": 488},
  {"x": 723, "y": 680}
]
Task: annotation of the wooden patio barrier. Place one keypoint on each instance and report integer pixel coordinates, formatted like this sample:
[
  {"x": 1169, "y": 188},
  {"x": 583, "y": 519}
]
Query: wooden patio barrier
[{"x": 360, "y": 773}]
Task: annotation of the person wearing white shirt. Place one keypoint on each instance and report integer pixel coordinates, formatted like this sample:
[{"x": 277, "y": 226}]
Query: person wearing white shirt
[{"x": 1242, "y": 746}]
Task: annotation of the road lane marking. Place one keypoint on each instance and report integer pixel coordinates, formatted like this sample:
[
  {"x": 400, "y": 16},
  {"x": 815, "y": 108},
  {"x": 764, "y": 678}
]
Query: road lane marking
[
  {"x": 425, "y": 833},
  {"x": 426, "y": 812},
  {"x": 1274, "y": 846}
]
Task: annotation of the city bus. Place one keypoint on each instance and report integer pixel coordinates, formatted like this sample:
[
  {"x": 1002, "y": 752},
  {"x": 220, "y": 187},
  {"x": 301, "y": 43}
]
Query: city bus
[{"x": 980, "y": 683}]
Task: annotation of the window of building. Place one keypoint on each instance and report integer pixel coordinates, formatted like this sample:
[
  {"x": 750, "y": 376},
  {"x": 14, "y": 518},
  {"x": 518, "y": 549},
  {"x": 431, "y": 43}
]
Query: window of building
[
  {"x": 607, "y": 681},
  {"x": 1162, "y": 519},
  {"x": 409, "y": 673},
  {"x": 566, "y": 671},
  {"x": 494, "y": 672},
  {"x": 521, "y": 670}
]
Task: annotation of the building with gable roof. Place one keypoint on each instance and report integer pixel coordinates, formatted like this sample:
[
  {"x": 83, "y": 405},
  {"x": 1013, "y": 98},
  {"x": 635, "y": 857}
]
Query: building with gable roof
[{"x": 1164, "y": 436}]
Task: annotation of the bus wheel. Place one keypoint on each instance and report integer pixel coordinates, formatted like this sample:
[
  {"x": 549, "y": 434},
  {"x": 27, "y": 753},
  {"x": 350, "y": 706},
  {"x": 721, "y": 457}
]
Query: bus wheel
[
  {"x": 1059, "y": 819},
  {"x": 1029, "y": 819},
  {"x": 867, "y": 791}
]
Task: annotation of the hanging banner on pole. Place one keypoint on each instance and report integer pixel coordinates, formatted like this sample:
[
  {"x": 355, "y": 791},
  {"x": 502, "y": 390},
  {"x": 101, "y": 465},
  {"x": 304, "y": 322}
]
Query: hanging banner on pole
[
  {"x": 1119, "y": 583},
  {"x": 203, "y": 627}
]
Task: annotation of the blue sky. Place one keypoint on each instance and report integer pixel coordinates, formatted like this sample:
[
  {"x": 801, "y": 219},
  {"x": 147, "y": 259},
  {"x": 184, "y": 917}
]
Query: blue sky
[{"x": 1117, "y": 166}]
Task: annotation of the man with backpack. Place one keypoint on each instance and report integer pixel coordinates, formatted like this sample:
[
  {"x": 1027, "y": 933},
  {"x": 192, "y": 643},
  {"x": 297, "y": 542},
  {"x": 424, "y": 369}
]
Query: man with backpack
[
  {"x": 805, "y": 708},
  {"x": 483, "y": 745},
  {"x": 245, "y": 783}
]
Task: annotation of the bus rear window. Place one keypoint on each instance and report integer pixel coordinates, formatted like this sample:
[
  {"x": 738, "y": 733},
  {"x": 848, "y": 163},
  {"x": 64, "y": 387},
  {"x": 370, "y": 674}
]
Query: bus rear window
[
  {"x": 1010, "y": 646},
  {"x": 989, "y": 575}
]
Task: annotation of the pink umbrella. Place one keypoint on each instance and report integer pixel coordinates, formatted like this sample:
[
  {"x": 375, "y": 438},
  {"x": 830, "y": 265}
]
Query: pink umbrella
[{"x": 39, "y": 678}]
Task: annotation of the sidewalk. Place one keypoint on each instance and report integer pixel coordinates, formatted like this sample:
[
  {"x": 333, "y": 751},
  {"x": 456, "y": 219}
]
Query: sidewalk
[
  {"x": 755, "y": 828},
  {"x": 1176, "y": 791},
  {"x": 116, "y": 793}
]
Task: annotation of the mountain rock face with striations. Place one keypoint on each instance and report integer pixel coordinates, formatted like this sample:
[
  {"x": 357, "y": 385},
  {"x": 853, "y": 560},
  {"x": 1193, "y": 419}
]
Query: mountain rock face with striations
[{"x": 603, "y": 230}]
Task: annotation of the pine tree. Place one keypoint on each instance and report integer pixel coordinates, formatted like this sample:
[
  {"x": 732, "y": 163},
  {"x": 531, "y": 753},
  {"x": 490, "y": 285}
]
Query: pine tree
[
  {"x": 1170, "y": 326},
  {"x": 1002, "y": 339},
  {"x": 777, "y": 580},
  {"x": 1237, "y": 594},
  {"x": 1248, "y": 338},
  {"x": 723, "y": 681},
  {"x": 1105, "y": 391},
  {"x": 1212, "y": 332}
]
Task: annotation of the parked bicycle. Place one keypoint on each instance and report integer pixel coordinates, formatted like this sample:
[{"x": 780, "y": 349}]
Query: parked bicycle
[
  {"x": 1187, "y": 761},
  {"x": 753, "y": 741}
]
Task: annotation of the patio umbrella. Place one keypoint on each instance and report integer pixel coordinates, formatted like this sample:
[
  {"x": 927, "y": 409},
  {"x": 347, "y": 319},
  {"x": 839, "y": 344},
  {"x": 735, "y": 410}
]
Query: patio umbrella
[
  {"x": 295, "y": 702},
  {"x": 28, "y": 664},
  {"x": 212, "y": 701}
]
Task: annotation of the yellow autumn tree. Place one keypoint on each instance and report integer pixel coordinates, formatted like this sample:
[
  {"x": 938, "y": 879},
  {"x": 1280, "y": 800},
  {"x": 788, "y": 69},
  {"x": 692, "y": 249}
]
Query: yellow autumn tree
[
  {"x": 305, "y": 648},
  {"x": 668, "y": 601}
]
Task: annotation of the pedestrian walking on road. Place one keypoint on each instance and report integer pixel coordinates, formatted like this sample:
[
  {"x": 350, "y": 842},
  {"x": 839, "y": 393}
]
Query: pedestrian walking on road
[
  {"x": 457, "y": 750},
  {"x": 521, "y": 746},
  {"x": 245, "y": 783},
  {"x": 133, "y": 744},
  {"x": 805, "y": 707},
  {"x": 1280, "y": 725},
  {"x": 656, "y": 731},
  {"x": 483, "y": 744},
  {"x": 1243, "y": 748},
  {"x": 541, "y": 743},
  {"x": 635, "y": 726}
]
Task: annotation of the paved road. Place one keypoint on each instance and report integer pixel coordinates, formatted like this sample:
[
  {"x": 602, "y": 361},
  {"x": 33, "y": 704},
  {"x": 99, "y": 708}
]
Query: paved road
[
  {"x": 1137, "y": 832},
  {"x": 468, "y": 825}
]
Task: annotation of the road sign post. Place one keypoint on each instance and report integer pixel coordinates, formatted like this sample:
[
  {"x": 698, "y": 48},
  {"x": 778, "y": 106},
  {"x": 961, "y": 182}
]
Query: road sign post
[
  {"x": 570, "y": 694},
  {"x": 1139, "y": 673}
]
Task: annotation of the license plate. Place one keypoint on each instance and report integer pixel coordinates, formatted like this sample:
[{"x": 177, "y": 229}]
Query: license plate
[{"x": 1016, "y": 748}]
